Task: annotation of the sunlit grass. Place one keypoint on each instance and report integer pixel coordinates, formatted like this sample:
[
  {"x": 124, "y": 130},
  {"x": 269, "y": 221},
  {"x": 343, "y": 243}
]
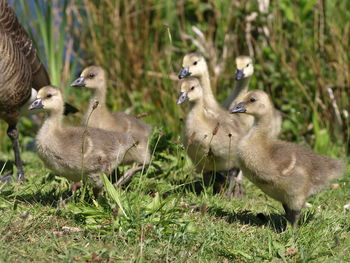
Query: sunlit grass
[{"x": 164, "y": 220}]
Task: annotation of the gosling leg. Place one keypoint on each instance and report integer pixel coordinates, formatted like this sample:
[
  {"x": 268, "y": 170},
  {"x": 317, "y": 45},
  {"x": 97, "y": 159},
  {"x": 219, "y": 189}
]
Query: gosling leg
[
  {"x": 207, "y": 178},
  {"x": 291, "y": 215},
  {"x": 75, "y": 186},
  {"x": 235, "y": 187},
  {"x": 12, "y": 133},
  {"x": 97, "y": 192},
  {"x": 231, "y": 177},
  {"x": 238, "y": 190},
  {"x": 127, "y": 176}
]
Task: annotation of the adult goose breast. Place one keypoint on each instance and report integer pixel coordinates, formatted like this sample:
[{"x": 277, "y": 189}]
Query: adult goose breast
[{"x": 21, "y": 70}]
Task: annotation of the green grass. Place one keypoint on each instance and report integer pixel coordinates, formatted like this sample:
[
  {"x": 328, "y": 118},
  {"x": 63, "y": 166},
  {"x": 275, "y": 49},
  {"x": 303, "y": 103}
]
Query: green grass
[
  {"x": 160, "y": 217},
  {"x": 164, "y": 220}
]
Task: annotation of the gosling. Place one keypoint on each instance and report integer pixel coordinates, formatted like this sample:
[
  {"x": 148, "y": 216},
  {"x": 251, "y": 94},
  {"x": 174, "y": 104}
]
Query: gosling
[
  {"x": 194, "y": 65},
  {"x": 244, "y": 72},
  {"x": 211, "y": 135},
  {"x": 285, "y": 171},
  {"x": 76, "y": 153},
  {"x": 94, "y": 78}
]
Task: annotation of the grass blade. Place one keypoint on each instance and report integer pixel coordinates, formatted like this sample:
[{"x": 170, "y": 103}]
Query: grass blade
[{"x": 113, "y": 193}]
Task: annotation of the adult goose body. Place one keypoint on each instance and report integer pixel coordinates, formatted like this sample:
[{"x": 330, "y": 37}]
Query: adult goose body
[{"x": 22, "y": 75}]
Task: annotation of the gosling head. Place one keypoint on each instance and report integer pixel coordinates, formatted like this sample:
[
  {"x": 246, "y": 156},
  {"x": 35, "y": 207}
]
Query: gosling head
[
  {"x": 256, "y": 103},
  {"x": 193, "y": 65},
  {"x": 244, "y": 67},
  {"x": 92, "y": 77},
  {"x": 48, "y": 98},
  {"x": 190, "y": 90}
]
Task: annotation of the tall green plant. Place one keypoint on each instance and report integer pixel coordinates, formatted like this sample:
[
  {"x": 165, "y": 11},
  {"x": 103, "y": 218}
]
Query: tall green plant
[
  {"x": 300, "y": 51},
  {"x": 50, "y": 30},
  {"x": 299, "y": 54}
]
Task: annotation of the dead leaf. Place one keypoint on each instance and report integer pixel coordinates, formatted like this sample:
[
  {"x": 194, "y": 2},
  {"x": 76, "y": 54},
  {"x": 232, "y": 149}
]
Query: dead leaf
[
  {"x": 26, "y": 215},
  {"x": 71, "y": 229},
  {"x": 58, "y": 233},
  {"x": 95, "y": 258},
  {"x": 115, "y": 211},
  {"x": 335, "y": 186},
  {"x": 291, "y": 251},
  {"x": 204, "y": 208}
]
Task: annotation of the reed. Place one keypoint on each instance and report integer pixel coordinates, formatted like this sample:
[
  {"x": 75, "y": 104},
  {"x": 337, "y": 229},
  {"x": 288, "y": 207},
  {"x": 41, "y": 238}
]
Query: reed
[
  {"x": 300, "y": 55},
  {"x": 300, "y": 51}
]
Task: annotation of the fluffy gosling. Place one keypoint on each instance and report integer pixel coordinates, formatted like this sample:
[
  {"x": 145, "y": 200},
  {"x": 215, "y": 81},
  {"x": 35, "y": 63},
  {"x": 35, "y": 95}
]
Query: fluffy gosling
[
  {"x": 211, "y": 135},
  {"x": 76, "y": 153},
  {"x": 285, "y": 171},
  {"x": 94, "y": 78}
]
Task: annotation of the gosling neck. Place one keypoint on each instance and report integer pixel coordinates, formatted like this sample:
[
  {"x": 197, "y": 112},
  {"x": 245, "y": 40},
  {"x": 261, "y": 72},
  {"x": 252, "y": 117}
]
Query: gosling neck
[
  {"x": 261, "y": 128},
  {"x": 207, "y": 91},
  {"x": 240, "y": 89},
  {"x": 99, "y": 94},
  {"x": 54, "y": 119},
  {"x": 197, "y": 107}
]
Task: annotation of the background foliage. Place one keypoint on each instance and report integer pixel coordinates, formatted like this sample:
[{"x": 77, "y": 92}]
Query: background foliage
[
  {"x": 301, "y": 54},
  {"x": 300, "y": 50}
]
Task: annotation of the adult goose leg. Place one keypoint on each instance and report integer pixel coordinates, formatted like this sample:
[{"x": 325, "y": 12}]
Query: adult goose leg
[{"x": 12, "y": 132}]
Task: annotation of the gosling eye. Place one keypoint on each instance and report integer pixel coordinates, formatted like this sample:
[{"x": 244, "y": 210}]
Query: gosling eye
[
  {"x": 195, "y": 63},
  {"x": 247, "y": 65},
  {"x": 91, "y": 75},
  {"x": 48, "y": 95},
  {"x": 252, "y": 100},
  {"x": 192, "y": 88}
]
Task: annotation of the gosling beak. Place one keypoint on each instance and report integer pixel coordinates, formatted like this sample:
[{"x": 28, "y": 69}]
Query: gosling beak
[
  {"x": 239, "y": 108},
  {"x": 36, "y": 104},
  {"x": 182, "y": 97},
  {"x": 184, "y": 72},
  {"x": 79, "y": 82},
  {"x": 239, "y": 74}
]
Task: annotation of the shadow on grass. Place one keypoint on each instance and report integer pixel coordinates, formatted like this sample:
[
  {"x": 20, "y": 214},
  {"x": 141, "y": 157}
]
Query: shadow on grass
[
  {"x": 6, "y": 167},
  {"x": 35, "y": 192},
  {"x": 48, "y": 198},
  {"x": 276, "y": 222},
  {"x": 218, "y": 182}
]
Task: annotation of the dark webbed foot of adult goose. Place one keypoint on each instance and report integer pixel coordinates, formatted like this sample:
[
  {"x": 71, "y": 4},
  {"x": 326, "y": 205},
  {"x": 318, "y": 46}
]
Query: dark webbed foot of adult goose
[
  {"x": 7, "y": 178},
  {"x": 12, "y": 133}
]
